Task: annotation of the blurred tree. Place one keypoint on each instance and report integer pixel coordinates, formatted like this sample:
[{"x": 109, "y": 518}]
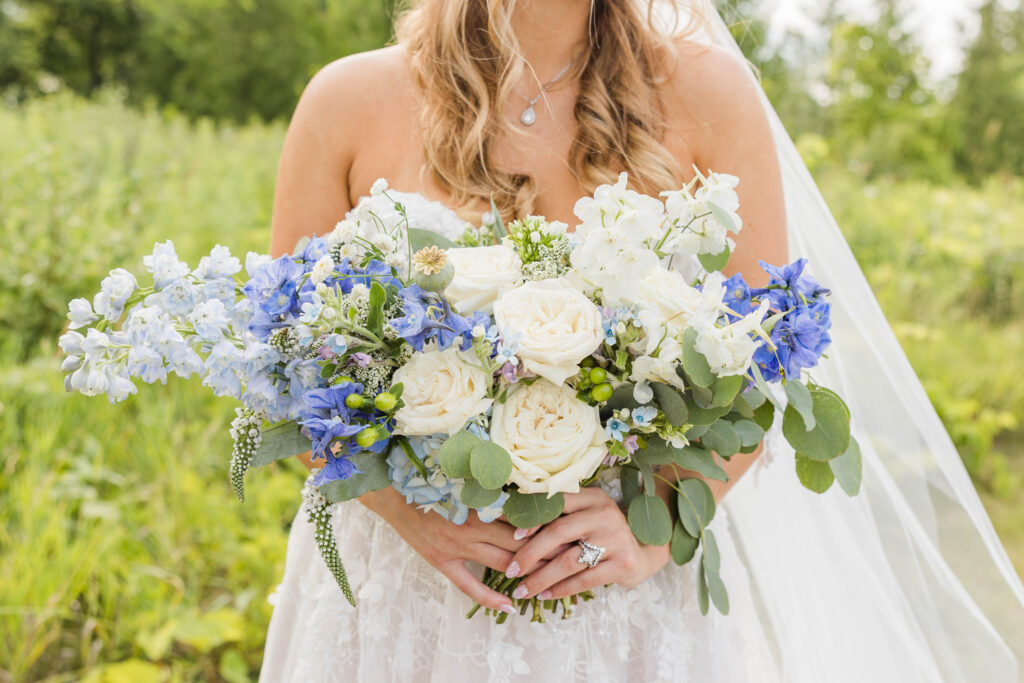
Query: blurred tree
[
  {"x": 232, "y": 59},
  {"x": 989, "y": 97},
  {"x": 881, "y": 116}
]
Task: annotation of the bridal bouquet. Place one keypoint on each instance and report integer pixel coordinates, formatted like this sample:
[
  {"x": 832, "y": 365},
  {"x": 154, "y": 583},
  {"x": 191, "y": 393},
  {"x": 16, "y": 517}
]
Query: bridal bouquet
[{"x": 496, "y": 368}]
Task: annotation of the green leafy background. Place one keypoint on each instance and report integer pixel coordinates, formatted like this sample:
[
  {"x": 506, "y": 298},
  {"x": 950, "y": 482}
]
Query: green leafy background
[{"x": 124, "y": 555}]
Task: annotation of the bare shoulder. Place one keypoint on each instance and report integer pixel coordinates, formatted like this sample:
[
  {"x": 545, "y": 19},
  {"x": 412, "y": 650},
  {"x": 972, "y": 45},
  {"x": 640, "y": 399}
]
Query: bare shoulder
[
  {"x": 710, "y": 94},
  {"x": 348, "y": 97}
]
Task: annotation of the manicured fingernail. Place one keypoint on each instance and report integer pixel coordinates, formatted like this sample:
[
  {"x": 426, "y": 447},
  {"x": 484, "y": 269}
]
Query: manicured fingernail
[
  {"x": 507, "y": 609},
  {"x": 520, "y": 592},
  {"x": 513, "y": 570},
  {"x": 544, "y": 595},
  {"x": 520, "y": 534}
]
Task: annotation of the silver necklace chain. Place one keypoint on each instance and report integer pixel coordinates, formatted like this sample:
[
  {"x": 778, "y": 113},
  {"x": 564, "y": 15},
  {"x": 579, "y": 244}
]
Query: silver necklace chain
[{"x": 529, "y": 115}]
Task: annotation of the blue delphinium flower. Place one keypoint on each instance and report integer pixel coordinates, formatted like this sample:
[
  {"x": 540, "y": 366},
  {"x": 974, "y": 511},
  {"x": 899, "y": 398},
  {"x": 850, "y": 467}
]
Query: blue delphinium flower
[
  {"x": 323, "y": 432},
  {"x": 272, "y": 288},
  {"x": 430, "y": 316},
  {"x": 737, "y": 296},
  {"x": 332, "y": 399}
]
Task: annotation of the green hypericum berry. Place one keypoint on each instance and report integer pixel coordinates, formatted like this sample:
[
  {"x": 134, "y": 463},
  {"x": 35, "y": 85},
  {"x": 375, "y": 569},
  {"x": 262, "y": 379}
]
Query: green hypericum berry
[
  {"x": 385, "y": 401},
  {"x": 368, "y": 436},
  {"x": 588, "y": 362},
  {"x": 598, "y": 375},
  {"x": 341, "y": 379},
  {"x": 354, "y": 401},
  {"x": 602, "y": 392}
]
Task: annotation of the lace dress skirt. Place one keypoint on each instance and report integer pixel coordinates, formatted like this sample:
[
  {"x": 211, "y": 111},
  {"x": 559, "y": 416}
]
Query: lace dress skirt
[{"x": 409, "y": 622}]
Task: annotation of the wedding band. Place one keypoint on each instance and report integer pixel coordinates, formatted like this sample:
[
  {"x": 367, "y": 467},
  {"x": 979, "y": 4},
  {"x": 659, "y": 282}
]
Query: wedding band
[{"x": 591, "y": 554}]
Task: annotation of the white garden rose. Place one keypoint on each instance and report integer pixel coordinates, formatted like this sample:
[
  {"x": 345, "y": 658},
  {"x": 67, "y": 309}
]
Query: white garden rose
[
  {"x": 441, "y": 390},
  {"x": 555, "y": 440},
  {"x": 482, "y": 274},
  {"x": 555, "y": 325},
  {"x": 666, "y": 293}
]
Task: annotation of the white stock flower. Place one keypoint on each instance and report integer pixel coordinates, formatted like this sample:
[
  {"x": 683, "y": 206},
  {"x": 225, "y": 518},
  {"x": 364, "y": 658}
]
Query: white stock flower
[
  {"x": 379, "y": 187},
  {"x": 557, "y": 326},
  {"x": 322, "y": 269},
  {"x": 482, "y": 274},
  {"x": 441, "y": 391},
  {"x": 610, "y": 264},
  {"x": 629, "y": 215},
  {"x": 555, "y": 440},
  {"x": 729, "y": 349}
]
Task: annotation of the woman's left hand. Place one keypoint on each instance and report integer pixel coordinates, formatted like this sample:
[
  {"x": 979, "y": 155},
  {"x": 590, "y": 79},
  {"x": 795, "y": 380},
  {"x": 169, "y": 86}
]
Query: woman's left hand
[{"x": 592, "y": 516}]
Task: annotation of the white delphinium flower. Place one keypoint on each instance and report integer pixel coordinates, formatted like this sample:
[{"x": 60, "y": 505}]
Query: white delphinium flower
[
  {"x": 322, "y": 269},
  {"x": 163, "y": 263},
  {"x": 178, "y": 298},
  {"x": 80, "y": 313},
  {"x": 254, "y": 260},
  {"x": 209, "y": 320},
  {"x": 115, "y": 290},
  {"x": 219, "y": 264}
]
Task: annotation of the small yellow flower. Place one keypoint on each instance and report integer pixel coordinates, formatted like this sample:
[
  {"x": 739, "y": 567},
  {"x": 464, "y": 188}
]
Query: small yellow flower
[{"x": 430, "y": 260}]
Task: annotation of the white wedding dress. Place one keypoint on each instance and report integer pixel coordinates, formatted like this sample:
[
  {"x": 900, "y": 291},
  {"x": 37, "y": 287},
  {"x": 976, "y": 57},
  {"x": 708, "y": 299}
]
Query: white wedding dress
[{"x": 905, "y": 582}]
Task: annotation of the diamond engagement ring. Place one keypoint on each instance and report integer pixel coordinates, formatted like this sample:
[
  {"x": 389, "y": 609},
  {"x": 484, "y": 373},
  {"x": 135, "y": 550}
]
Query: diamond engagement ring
[{"x": 591, "y": 554}]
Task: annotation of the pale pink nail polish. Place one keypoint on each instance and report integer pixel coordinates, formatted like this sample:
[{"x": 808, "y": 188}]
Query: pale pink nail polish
[
  {"x": 520, "y": 592},
  {"x": 507, "y": 609},
  {"x": 520, "y": 534},
  {"x": 545, "y": 595},
  {"x": 513, "y": 570}
]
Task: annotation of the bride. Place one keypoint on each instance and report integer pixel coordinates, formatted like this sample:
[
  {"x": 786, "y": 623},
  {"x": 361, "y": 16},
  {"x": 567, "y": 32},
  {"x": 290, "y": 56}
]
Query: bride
[{"x": 536, "y": 102}]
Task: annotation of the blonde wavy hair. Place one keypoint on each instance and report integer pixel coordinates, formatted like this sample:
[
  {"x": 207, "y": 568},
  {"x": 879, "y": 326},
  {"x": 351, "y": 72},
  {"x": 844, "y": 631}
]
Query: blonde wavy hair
[{"x": 466, "y": 60}]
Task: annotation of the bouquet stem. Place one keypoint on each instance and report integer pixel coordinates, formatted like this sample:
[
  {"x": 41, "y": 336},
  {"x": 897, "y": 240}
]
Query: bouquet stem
[{"x": 497, "y": 581}]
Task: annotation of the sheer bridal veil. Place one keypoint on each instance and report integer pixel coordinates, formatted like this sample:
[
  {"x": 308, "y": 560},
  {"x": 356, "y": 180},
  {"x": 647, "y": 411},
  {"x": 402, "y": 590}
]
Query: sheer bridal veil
[{"x": 906, "y": 581}]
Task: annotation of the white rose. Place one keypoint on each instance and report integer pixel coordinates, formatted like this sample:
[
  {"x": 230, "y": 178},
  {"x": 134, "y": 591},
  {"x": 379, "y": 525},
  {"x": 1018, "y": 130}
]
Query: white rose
[
  {"x": 482, "y": 274},
  {"x": 441, "y": 390},
  {"x": 555, "y": 440},
  {"x": 556, "y": 326},
  {"x": 667, "y": 293}
]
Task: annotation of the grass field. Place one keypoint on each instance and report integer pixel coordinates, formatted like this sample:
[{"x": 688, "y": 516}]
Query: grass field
[{"x": 124, "y": 556}]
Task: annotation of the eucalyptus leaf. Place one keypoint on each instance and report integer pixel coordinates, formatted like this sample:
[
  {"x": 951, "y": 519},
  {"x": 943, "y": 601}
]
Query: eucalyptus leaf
[
  {"x": 696, "y": 431},
  {"x": 656, "y": 452},
  {"x": 490, "y": 464},
  {"x": 711, "y": 557},
  {"x": 527, "y": 510},
  {"x": 702, "y": 590},
  {"x": 848, "y": 468},
  {"x": 684, "y": 546},
  {"x": 647, "y": 474},
  {"x": 753, "y": 398},
  {"x": 723, "y": 217},
  {"x": 702, "y": 396},
  {"x": 476, "y": 496},
  {"x": 701, "y": 461},
  {"x": 703, "y": 417},
  {"x": 764, "y": 415},
  {"x": 695, "y": 504},
  {"x": 278, "y": 442},
  {"x": 672, "y": 403},
  {"x": 750, "y": 432},
  {"x": 740, "y": 409},
  {"x": 722, "y": 438},
  {"x": 762, "y": 385},
  {"x": 420, "y": 238},
  {"x": 454, "y": 454},
  {"x": 373, "y": 476},
  {"x": 694, "y": 362},
  {"x": 650, "y": 520},
  {"x": 629, "y": 479},
  {"x": 713, "y": 262},
  {"x": 814, "y": 474},
  {"x": 716, "y": 588},
  {"x": 727, "y": 389},
  {"x": 800, "y": 398},
  {"x": 831, "y": 434}
]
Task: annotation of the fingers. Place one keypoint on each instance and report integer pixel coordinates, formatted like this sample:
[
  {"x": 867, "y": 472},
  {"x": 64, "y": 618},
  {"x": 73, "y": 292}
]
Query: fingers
[
  {"x": 520, "y": 534},
  {"x": 587, "y": 497},
  {"x": 563, "y": 531},
  {"x": 561, "y": 568},
  {"x": 604, "y": 573},
  {"x": 489, "y": 555},
  {"x": 466, "y": 581},
  {"x": 498, "y": 533}
]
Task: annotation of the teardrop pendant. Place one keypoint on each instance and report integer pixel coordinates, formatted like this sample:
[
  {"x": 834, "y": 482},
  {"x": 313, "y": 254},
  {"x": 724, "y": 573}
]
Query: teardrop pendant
[{"x": 528, "y": 116}]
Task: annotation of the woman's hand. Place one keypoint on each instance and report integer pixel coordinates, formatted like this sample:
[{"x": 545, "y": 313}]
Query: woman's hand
[
  {"x": 590, "y": 515},
  {"x": 447, "y": 546}
]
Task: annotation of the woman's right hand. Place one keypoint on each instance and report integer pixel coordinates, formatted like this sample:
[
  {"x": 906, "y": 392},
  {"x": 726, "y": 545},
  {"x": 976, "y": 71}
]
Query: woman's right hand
[{"x": 447, "y": 546}]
